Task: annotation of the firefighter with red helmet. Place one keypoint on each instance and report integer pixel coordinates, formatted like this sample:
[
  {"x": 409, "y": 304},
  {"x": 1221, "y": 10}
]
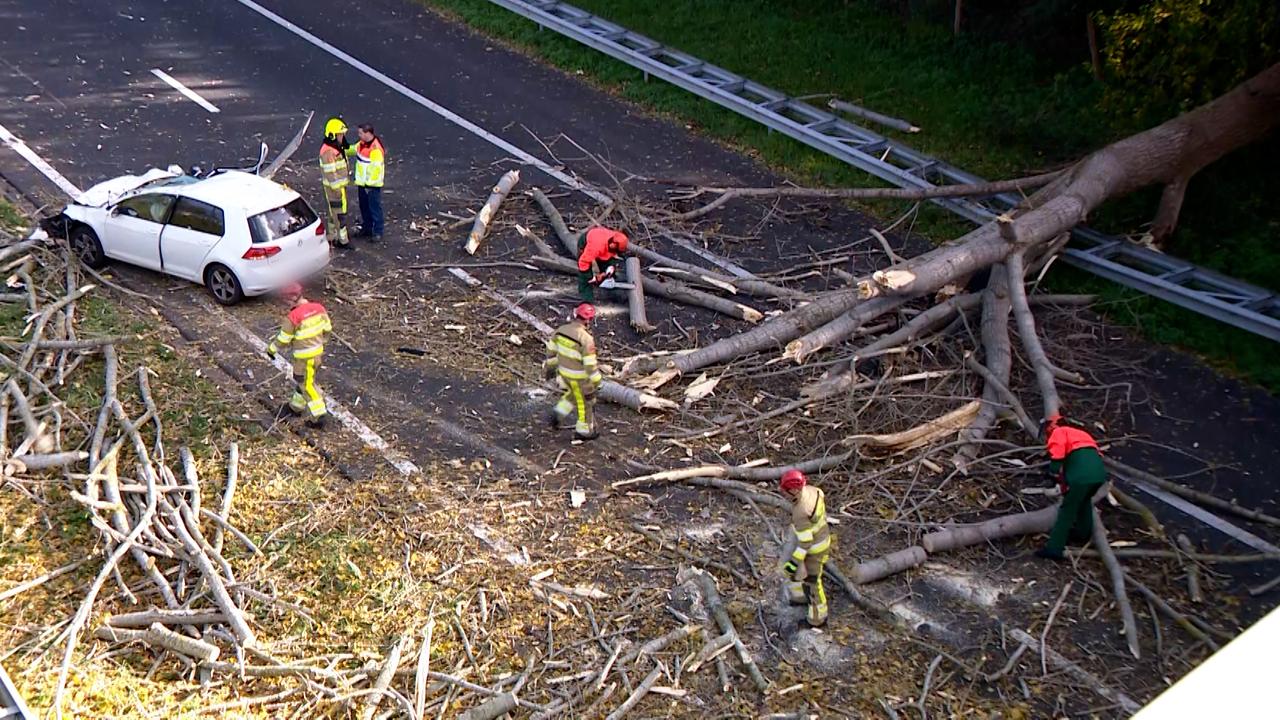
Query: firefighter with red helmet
[
  {"x": 1075, "y": 466},
  {"x": 571, "y": 358},
  {"x": 600, "y": 252},
  {"x": 803, "y": 569},
  {"x": 303, "y": 332}
]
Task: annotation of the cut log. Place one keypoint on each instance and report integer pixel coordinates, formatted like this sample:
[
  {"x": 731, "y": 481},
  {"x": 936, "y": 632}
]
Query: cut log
[
  {"x": 494, "y": 707},
  {"x": 635, "y": 298},
  {"x": 1028, "y": 523},
  {"x": 166, "y": 617},
  {"x": 484, "y": 218},
  {"x": 887, "y": 565},
  {"x": 567, "y": 239},
  {"x": 920, "y": 435}
]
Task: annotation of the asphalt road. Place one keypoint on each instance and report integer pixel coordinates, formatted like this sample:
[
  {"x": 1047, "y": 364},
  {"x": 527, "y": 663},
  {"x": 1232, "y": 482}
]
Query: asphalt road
[{"x": 76, "y": 83}]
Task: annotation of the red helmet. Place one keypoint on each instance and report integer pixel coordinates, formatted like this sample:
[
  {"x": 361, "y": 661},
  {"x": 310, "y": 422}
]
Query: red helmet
[
  {"x": 585, "y": 311},
  {"x": 619, "y": 241},
  {"x": 792, "y": 480},
  {"x": 291, "y": 292}
]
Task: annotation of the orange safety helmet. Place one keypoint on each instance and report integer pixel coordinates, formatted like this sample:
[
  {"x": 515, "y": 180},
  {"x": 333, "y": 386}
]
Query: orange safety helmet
[
  {"x": 792, "y": 480},
  {"x": 291, "y": 293},
  {"x": 585, "y": 312},
  {"x": 619, "y": 241}
]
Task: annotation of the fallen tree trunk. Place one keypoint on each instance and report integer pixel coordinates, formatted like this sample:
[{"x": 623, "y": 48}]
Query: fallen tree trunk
[
  {"x": 838, "y": 329},
  {"x": 887, "y": 565},
  {"x": 485, "y": 217},
  {"x": 635, "y": 299},
  {"x": 1028, "y": 523}
]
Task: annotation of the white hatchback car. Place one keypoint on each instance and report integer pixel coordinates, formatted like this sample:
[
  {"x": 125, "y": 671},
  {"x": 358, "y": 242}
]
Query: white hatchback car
[{"x": 236, "y": 233}]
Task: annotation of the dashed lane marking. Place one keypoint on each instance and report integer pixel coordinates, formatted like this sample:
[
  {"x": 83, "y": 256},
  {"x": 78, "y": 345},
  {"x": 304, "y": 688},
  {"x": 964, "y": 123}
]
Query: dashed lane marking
[
  {"x": 187, "y": 92},
  {"x": 425, "y": 102},
  {"x": 39, "y": 163}
]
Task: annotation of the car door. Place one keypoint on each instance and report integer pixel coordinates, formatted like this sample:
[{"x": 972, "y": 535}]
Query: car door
[
  {"x": 132, "y": 229},
  {"x": 194, "y": 228}
]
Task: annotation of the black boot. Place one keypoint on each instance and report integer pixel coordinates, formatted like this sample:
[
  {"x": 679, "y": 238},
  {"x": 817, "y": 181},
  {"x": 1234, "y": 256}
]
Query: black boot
[
  {"x": 1049, "y": 554},
  {"x": 586, "y": 436},
  {"x": 318, "y": 422}
]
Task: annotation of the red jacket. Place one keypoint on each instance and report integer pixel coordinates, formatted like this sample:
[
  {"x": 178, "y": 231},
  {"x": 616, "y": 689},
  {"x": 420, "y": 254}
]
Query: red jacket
[
  {"x": 596, "y": 247},
  {"x": 1065, "y": 440}
]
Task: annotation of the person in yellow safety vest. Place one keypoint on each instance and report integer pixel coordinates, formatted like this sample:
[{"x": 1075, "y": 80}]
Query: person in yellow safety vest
[
  {"x": 334, "y": 174},
  {"x": 371, "y": 170},
  {"x": 571, "y": 357},
  {"x": 303, "y": 331},
  {"x": 803, "y": 569}
]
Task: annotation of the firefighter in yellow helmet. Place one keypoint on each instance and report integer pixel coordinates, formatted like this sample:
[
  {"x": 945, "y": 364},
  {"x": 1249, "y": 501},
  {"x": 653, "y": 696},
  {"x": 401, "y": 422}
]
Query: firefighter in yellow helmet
[
  {"x": 303, "y": 332},
  {"x": 334, "y": 173},
  {"x": 571, "y": 357},
  {"x": 803, "y": 569}
]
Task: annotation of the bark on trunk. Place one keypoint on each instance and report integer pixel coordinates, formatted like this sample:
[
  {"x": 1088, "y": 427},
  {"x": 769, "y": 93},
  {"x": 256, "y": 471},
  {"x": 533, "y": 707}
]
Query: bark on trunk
[{"x": 1177, "y": 148}]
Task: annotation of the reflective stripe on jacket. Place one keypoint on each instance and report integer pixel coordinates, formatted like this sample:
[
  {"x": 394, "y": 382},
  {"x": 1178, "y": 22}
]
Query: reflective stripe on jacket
[
  {"x": 809, "y": 521},
  {"x": 333, "y": 170},
  {"x": 371, "y": 163},
  {"x": 596, "y": 247},
  {"x": 572, "y": 352},
  {"x": 304, "y": 329}
]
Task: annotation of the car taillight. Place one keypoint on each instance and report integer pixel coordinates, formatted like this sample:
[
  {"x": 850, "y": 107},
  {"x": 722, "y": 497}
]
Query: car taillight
[
  {"x": 260, "y": 253},
  {"x": 320, "y": 228}
]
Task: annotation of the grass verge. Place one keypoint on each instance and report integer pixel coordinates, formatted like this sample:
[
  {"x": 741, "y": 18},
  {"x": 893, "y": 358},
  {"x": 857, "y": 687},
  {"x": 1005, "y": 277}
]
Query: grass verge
[{"x": 986, "y": 107}]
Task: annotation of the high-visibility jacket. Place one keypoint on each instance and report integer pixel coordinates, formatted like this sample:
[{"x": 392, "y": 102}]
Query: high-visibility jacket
[
  {"x": 809, "y": 522},
  {"x": 596, "y": 248},
  {"x": 1074, "y": 457},
  {"x": 333, "y": 171},
  {"x": 304, "y": 329},
  {"x": 371, "y": 163},
  {"x": 572, "y": 352}
]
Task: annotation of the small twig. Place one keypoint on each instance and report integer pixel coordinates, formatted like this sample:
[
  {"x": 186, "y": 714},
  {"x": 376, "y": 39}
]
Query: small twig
[{"x": 1044, "y": 663}]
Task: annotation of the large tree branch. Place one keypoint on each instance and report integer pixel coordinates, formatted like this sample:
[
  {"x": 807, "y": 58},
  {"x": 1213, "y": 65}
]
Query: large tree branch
[{"x": 941, "y": 191}]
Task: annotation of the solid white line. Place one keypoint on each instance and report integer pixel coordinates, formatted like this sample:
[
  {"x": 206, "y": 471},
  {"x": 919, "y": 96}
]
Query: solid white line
[
  {"x": 1207, "y": 518},
  {"x": 425, "y": 102},
  {"x": 345, "y": 416},
  {"x": 38, "y": 163},
  {"x": 186, "y": 91}
]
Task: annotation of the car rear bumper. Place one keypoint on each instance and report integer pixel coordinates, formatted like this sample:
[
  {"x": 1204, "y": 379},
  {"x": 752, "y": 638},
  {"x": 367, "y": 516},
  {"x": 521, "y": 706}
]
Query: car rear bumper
[{"x": 259, "y": 277}]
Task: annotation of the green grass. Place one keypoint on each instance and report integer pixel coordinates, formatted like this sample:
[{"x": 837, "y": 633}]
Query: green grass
[
  {"x": 987, "y": 107},
  {"x": 10, "y": 218}
]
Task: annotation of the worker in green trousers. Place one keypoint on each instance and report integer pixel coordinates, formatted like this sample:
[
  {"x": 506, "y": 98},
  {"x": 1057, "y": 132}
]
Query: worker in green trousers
[{"x": 1075, "y": 464}]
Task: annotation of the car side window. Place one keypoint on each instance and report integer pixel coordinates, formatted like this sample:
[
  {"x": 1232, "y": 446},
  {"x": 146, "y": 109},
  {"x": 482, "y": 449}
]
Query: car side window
[
  {"x": 198, "y": 216},
  {"x": 153, "y": 207}
]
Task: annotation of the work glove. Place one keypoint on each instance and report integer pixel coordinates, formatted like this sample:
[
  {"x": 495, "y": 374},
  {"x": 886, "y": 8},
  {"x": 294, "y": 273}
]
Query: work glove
[
  {"x": 272, "y": 352},
  {"x": 548, "y": 371},
  {"x": 790, "y": 568}
]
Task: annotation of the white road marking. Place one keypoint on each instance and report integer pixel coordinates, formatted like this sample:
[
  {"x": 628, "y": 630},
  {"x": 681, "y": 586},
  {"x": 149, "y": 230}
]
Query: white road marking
[
  {"x": 38, "y": 163},
  {"x": 187, "y": 92},
  {"x": 1207, "y": 518},
  {"x": 344, "y": 416},
  {"x": 426, "y": 102}
]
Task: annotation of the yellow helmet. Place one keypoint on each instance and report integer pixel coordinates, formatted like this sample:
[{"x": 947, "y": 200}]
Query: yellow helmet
[{"x": 335, "y": 128}]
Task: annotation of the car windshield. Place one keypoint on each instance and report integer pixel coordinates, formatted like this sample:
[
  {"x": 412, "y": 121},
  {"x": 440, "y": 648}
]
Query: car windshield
[{"x": 282, "y": 221}]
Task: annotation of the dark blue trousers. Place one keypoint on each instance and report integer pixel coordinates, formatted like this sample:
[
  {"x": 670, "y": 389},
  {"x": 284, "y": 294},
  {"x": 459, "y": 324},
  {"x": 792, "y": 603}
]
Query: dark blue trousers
[{"x": 370, "y": 209}]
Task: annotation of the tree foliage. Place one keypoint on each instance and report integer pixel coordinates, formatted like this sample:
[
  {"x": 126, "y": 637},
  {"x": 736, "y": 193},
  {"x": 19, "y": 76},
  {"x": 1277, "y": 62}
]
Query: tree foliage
[{"x": 1167, "y": 56}]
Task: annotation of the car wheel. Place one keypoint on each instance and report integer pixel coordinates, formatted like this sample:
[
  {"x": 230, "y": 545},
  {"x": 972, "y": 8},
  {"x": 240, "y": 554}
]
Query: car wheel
[
  {"x": 85, "y": 244},
  {"x": 223, "y": 284}
]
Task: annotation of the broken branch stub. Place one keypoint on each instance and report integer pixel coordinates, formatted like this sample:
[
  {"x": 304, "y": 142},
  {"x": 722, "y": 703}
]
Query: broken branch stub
[{"x": 484, "y": 218}]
